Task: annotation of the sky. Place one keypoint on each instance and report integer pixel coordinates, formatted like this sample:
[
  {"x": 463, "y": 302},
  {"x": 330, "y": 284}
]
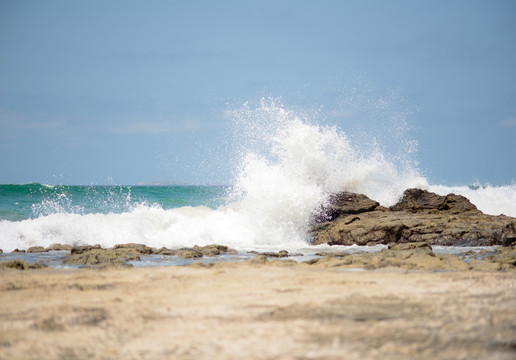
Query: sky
[{"x": 124, "y": 92}]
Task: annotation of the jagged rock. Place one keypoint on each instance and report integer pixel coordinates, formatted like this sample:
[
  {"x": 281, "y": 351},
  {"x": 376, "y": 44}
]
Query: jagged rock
[
  {"x": 415, "y": 200},
  {"x": 36, "y": 249},
  {"x": 20, "y": 265},
  {"x": 420, "y": 216}
]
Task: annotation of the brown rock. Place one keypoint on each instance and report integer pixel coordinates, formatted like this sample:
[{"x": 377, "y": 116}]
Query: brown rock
[
  {"x": 189, "y": 253},
  {"x": 197, "y": 251},
  {"x": 139, "y": 248},
  {"x": 279, "y": 254},
  {"x": 415, "y": 200},
  {"x": 98, "y": 257},
  {"x": 346, "y": 203},
  {"x": 214, "y": 250},
  {"x": 416, "y": 256},
  {"x": 36, "y": 249},
  {"x": 59, "y": 247},
  {"x": 20, "y": 265},
  {"x": 419, "y": 217}
]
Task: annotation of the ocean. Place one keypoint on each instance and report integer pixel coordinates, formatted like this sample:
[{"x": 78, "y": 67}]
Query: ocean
[{"x": 288, "y": 165}]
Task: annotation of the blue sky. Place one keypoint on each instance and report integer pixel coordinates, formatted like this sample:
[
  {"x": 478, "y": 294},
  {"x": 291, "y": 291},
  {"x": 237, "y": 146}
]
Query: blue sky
[{"x": 131, "y": 91}]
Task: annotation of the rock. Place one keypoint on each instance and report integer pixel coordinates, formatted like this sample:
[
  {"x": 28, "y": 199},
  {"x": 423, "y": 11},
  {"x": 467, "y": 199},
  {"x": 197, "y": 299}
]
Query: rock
[
  {"x": 503, "y": 256},
  {"x": 189, "y": 253},
  {"x": 83, "y": 248},
  {"x": 197, "y": 251},
  {"x": 420, "y": 216},
  {"x": 59, "y": 247},
  {"x": 36, "y": 249},
  {"x": 416, "y": 256},
  {"x": 19, "y": 251},
  {"x": 1, "y": 251},
  {"x": 20, "y": 265},
  {"x": 139, "y": 248},
  {"x": 509, "y": 234},
  {"x": 98, "y": 257},
  {"x": 279, "y": 254},
  {"x": 415, "y": 200},
  {"x": 165, "y": 251},
  {"x": 346, "y": 203},
  {"x": 214, "y": 250}
]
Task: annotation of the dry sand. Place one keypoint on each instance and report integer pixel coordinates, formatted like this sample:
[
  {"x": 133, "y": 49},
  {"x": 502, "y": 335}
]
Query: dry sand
[{"x": 248, "y": 311}]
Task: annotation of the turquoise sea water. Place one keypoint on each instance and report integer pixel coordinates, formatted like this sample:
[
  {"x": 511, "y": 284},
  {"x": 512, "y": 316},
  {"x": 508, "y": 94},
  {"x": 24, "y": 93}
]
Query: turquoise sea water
[{"x": 29, "y": 201}]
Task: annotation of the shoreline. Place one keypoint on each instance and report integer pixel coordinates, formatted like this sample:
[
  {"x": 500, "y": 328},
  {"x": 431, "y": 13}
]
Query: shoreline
[{"x": 256, "y": 311}]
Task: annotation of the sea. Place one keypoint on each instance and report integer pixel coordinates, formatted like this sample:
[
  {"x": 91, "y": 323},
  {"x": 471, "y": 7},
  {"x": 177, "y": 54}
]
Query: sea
[{"x": 287, "y": 167}]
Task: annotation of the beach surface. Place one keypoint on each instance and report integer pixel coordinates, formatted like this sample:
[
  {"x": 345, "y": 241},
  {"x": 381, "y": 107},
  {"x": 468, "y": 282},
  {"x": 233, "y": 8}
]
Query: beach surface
[{"x": 253, "y": 311}]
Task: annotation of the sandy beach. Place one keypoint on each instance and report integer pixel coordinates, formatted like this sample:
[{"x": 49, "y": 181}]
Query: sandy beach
[{"x": 252, "y": 311}]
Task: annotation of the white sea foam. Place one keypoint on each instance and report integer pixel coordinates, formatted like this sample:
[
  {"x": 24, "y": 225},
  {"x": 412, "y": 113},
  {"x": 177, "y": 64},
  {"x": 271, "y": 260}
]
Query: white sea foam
[{"x": 287, "y": 167}]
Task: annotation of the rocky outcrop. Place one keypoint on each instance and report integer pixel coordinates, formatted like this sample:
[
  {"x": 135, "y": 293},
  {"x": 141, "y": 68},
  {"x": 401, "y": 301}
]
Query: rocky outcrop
[
  {"x": 120, "y": 255},
  {"x": 417, "y": 256},
  {"x": 420, "y": 216}
]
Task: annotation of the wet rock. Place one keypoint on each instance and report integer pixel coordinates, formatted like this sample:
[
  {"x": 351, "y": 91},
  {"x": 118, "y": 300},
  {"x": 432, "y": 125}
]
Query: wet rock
[
  {"x": 346, "y": 203},
  {"x": 59, "y": 247},
  {"x": 84, "y": 248},
  {"x": 504, "y": 256},
  {"x": 416, "y": 256},
  {"x": 139, "y": 248},
  {"x": 98, "y": 257},
  {"x": 189, "y": 253},
  {"x": 19, "y": 251},
  {"x": 197, "y": 251},
  {"x": 214, "y": 250},
  {"x": 420, "y": 216},
  {"x": 36, "y": 249},
  {"x": 165, "y": 251},
  {"x": 20, "y": 265},
  {"x": 279, "y": 254}
]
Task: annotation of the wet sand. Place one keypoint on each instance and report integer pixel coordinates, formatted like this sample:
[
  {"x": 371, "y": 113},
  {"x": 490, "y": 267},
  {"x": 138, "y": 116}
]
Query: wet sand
[{"x": 251, "y": 311}]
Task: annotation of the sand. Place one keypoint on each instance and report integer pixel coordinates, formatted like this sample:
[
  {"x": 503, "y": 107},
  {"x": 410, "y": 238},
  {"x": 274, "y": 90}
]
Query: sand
[{"x": 251, "y": 311}]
